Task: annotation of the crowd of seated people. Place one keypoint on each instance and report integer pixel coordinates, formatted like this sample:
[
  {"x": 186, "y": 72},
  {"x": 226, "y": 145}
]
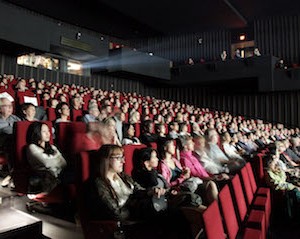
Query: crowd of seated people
[{"x": 213, "y": 145}]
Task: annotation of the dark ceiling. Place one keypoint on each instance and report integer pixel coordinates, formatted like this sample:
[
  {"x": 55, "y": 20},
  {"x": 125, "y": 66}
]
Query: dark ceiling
[{"x": 147, "y": 18}]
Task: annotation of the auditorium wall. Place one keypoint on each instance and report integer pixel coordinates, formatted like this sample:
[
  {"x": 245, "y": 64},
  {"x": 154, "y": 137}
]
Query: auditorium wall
[
  {"x": 279, "y": 36},
  {"x": 271, "y": 106},
  {"x": 178, "y": 48}
]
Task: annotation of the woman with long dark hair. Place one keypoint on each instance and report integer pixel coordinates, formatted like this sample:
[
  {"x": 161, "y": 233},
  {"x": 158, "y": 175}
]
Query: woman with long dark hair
[
  {"x": 44, "y": 158},
  {"x": 113, "y": 194}
]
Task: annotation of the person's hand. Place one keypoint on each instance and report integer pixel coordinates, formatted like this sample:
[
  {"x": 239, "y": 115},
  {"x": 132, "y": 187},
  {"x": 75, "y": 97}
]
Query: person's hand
[
  {"x": 186, "y": 173},
  {"x": 159, "y": 192}
]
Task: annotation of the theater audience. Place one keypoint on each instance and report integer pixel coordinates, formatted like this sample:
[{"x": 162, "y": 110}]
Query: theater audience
[
  {"x": 289, "y": 152},
  {"x": 229, "y": 149},
  {"x": 28, "y": 112},
  {"x": 295, "y": 143},
  {"x": 223, "y": 55},
  {"x": 210, "y": 165},
  {"x": 93, "y": 114},
  {"x": 62, "y": 112},
  {"x": 147, "y": 137},
  {"x": 108, "y": 131},
  {"x": 170, "y": 167},
  {"x": 256, "y": 52},
  {"x": 128, "y": 133},
  {"x": 120, "y": 119},
  {"x": 145, "y": 173},
  {"x": 173, "y": 130},
  {"x": 278, "y": 178},
  {"x": 112, "y": 192},
  {"x": 215, "y": 153},
  {"x": 208, "y": 189},
  {"x": 7, "y": 120}
]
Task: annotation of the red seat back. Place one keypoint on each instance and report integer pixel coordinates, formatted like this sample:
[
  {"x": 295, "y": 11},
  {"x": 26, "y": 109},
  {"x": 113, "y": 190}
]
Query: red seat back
[
  {"x": 251, "y": 177},
  {"x": 128, "y": 153},
  {"x": 247, "y": 185},
  {"x": 228, "y": 212},
  {"x": 213, "y": 222},
  {"x": 137, "y": 128},
  {"x": 239, "y": 197},
  {"x": 65, "y": 135},
  {"x": 76, "y": 115},
  {"x": 51, "y": 114},
  {"x": 91, "y": 229}
]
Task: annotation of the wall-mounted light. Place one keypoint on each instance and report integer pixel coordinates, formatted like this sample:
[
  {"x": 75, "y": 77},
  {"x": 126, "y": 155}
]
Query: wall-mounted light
[
  {"x": 242, "y": 37},
  {"x": 102, "y": 38},
  {"x": 200, "y": 40}
]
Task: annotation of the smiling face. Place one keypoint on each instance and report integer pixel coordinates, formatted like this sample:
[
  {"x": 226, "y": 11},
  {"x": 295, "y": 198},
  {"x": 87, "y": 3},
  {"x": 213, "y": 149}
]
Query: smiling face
[{"x": 30, "y": 112}]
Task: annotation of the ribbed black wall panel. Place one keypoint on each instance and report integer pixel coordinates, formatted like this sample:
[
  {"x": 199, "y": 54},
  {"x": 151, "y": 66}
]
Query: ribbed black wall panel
[
  {"x": 180, "y": 48},
  {"x": 279, "y": 36},
  {"x": 273, "y": 107}
]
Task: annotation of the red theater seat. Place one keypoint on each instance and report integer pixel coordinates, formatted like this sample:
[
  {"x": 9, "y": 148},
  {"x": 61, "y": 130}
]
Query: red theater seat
[
  {"x": 251, "y": 218},
  {"x": 230, "y": 218},
  {"x": 129, "y": 153},
  {"x": 91, "y": 228},
  {"x": 22, "y": 170},
  {"x": 51, "y": 114},
  {"x": 76, "y": 115}
]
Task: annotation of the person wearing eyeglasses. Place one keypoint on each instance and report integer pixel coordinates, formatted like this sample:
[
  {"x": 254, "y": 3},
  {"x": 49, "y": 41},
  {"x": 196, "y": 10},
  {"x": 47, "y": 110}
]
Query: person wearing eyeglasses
[
  {"x": 7, "y": 120},
  {"x": 62, "y": 112},
  {"x": 111, "y": 193}
]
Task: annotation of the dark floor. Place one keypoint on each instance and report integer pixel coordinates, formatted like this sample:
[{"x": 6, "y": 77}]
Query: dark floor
[
  {"x": 64, "y": 226},
  {"x": 58, "y": 227}
]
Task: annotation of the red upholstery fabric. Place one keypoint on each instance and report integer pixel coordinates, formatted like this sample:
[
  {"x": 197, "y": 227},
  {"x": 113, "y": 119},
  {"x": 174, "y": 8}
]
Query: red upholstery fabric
[
  {"x": 76, "y": 115},
  {"x": 91, "y": 229},
  {"x": 20, "y": 95},
  {"x": 137, "y": 128},
  {"x": 213, "y": 222},
  {"x": 264, "y": 191},
  {"x": 51, "y": 114},
  {"x": 262, "y": 195},
  {"x": 250, "y": 233},
  {"x": 228, "y": 212},
  {"x": 256, "y": 219},
  {"x": 259, "y": 168},
  {"x": 65, "y": 135},
  {"x": 258, "y": 202},
  {"x": 153, "y": 145},
  {"x": 84, "y": 166},
  {"x": 247, "y": 185},
  {"x": 128, "y": 153},
  {"x": 3, "y": 159}
]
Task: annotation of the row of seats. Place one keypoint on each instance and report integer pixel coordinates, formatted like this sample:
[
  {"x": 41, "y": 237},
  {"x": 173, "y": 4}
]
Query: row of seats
[
  {"x": 256, "y": 197},
  {"x": 244, "y": 208}
]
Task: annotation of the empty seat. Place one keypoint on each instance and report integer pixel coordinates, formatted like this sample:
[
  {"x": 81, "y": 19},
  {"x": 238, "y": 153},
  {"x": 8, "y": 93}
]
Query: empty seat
[
  {"x": 230, "y": 218},
  {"x": 252, "y": 218}
]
